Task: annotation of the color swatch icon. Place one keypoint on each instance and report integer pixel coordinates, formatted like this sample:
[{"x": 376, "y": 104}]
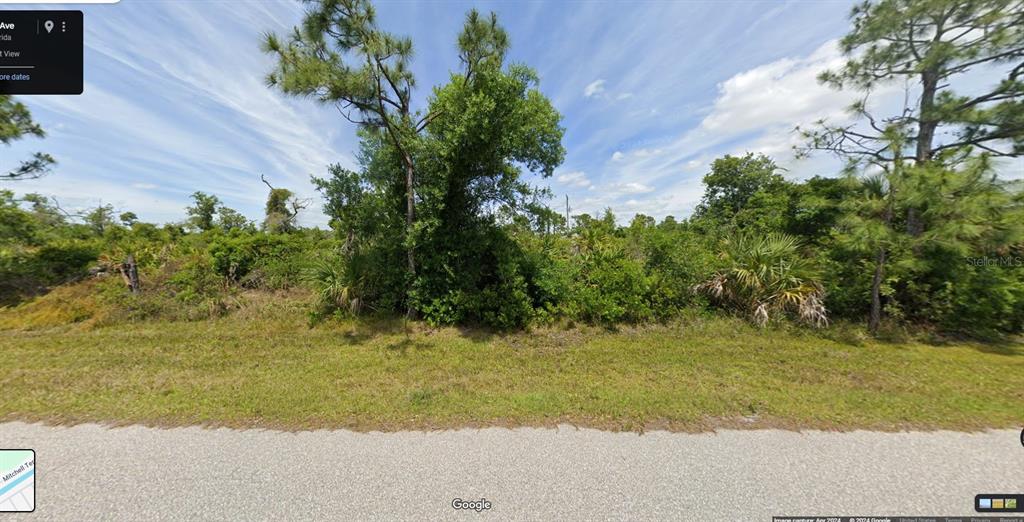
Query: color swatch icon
[{"x": 999, "y": 503}]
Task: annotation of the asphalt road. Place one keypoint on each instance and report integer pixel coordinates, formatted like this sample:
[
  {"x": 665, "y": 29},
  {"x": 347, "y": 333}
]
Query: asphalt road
[{"x": 90, "y": 472}]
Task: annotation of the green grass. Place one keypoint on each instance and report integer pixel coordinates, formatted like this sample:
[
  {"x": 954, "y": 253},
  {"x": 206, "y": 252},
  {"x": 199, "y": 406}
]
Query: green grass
[{"x": 279, "y": 373}]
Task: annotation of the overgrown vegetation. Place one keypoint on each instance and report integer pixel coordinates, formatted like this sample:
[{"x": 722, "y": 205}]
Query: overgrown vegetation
[{"x": 441, "y": 222}]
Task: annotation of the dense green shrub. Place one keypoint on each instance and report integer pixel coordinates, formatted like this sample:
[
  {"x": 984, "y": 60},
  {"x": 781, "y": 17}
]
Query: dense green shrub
[
  {"x": 337, "y": 289},
  {"x": 483, "y": 281},
  {"x": 549, "y": 272},
  {"x": 62, "y": 261},
  {"x": 195, "y": 279},
  {"x": 506, "y": 302},
  {"x": 513, "y": 269},
  {"x": 847, "y": 291},
  {"x": 261, "y": 260},
  {"x": 676, "y": 259},
  {"x": 610, "y": 287},
  {"x": 27, "y": 271},
  {"x": 766, "y": 277},
  {"x": 977, "y": 295}
]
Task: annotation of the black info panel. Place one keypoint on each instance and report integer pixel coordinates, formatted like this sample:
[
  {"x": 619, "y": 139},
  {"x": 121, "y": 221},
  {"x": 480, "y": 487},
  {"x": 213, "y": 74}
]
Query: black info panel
[{"x": 41, "y": 52}]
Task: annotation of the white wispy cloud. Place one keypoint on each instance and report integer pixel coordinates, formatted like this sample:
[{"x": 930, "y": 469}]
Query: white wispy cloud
[
  {"x": 175, "y": 102},
  {"x": 781, "y": 92},
  {"x": 573, "y": 179},
  {"x": 755, "y": 110},
  {"x": 594, "y": 88},
  {"x": 630, "y": 188}
]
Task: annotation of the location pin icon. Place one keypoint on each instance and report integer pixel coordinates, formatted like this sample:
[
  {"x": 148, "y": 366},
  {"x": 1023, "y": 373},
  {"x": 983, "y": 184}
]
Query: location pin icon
[{"x": 48, "y": 25}]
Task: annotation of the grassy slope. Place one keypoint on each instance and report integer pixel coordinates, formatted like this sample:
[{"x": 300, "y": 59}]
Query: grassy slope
[{"x": 251, "y": 370}]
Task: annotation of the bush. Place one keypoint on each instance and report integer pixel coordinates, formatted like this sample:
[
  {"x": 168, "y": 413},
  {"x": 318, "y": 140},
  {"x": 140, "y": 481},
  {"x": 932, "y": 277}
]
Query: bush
[
  {"x": 766, "y": 277},
  {"x": 336, "y": 289},
  {"x": 61, "y": 262},
  {"x": 484, "y": 283},
  {"x": 506, "y": 303},
  {"x": 675, "y": 259},
  {"x": 609, "y": 284},
  {"x": 29, "y": 271},
  {"x": 259, "y": 260},
  {"x": 195, "y": 279},
  {"x": 548, "y": 273},
  {"x": 610, "y": 288},
  {"x": 976, "y": 299}
]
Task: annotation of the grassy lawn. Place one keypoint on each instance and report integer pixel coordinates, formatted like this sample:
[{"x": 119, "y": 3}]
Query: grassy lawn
[{"x": 247, "y": 371}]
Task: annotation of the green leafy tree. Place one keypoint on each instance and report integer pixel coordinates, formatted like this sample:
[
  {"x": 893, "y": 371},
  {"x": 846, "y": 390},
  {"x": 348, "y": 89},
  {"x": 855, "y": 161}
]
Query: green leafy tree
[
  {"x": 815, "y": 207},
  {"x": 967, "y": 212},
  {"x": 869, "y": 229},
  {"x": 201, "y": 213},
  {"x": 16, "y": 225},
  {"x": 282, "y": 210},
  {"x": 128, "y": 218},
  {"x": 491, "y": 126},
  {"x": 16, "y": 123},
  {"x": 347, "y": 201},
  {"x": 541, "y": 218},
  {"x": 743, "y": 191},
  {"x": 279, "y": 215},
  {"x": 970, "y": 212},
  {"x": 230, "y": 219},
  {"x": 487, "y": 127},
  {"x": 100, "y": 219}
]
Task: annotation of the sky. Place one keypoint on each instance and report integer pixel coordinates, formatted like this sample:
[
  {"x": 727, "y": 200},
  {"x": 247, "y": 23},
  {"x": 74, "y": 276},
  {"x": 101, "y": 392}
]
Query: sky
[{"x": 650, "y": 93}]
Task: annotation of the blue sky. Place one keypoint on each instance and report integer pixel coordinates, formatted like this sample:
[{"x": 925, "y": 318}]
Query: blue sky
[{"x": 650, "y": 93}]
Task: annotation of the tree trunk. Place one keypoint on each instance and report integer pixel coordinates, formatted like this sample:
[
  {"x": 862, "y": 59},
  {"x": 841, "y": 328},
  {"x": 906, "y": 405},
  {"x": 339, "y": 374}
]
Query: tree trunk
[
  {"x": 876, "y": 293},
  {"x": 130, "y": 273},
  {"x": 927, "y": 124},
  {"x": 567, "y": 215},
  {"x": 410, "y": 216}
]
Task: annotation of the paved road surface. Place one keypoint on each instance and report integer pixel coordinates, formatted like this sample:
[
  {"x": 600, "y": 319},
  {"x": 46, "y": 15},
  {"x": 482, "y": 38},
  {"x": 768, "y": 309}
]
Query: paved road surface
[{"x": 90, "y": 472}]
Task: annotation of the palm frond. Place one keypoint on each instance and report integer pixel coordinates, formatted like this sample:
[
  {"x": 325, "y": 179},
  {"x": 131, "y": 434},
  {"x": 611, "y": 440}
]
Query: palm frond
[{"x": 767, "y": 274}]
